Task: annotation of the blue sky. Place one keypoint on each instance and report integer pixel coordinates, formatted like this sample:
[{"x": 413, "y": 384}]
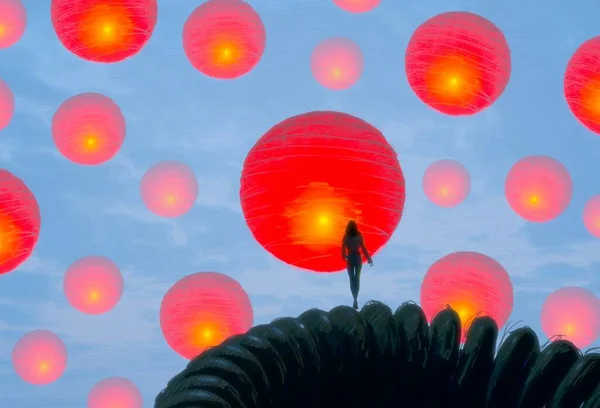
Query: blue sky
[{"x": 175, "y": 113}]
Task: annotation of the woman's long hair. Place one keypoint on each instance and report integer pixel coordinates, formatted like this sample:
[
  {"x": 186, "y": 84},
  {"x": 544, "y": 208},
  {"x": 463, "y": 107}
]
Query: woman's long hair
[{"x": 352, "y": 229}]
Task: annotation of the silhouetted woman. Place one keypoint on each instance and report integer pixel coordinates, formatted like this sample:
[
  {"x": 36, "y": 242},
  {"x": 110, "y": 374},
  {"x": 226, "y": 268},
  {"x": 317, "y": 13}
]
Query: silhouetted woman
[{"x": 352, "y": 244}]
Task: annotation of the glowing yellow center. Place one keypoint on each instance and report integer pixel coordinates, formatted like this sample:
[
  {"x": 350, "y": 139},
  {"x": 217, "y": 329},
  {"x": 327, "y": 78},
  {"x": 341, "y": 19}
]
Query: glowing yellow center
[
  {"x": 569, "y": 329},
  {"x": 44, "y": 367},
  {"x": 207, "y": 335},
  {"x": 9, "y": 237},
  {"x": 444, "y": 192},
  {"x": 94, "y": 296},
  {"x": 2, "y": 29},
  {"x": 226, "y": 52},
  {"x": 337, "y": 73},
  {"x": 534, "y": 200},
  {"x": 171, "y": 199}
]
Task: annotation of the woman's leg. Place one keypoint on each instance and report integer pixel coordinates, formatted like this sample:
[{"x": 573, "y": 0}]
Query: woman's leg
[
  {"x": 352, "y": 277},
  {"x": 357, "y": 270}
]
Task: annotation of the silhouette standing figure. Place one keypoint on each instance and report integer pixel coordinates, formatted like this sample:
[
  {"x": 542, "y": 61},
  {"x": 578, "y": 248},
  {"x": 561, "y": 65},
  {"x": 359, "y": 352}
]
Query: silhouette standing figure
[{"x": 352, "y": 244}]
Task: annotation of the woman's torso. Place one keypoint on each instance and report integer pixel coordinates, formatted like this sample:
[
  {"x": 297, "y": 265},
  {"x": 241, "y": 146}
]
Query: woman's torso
[{"x": 353, "y": 243}]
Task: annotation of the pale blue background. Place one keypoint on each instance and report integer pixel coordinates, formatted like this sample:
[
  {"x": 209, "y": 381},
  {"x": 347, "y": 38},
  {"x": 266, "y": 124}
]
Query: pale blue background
[{"x": 175, "y": 113}]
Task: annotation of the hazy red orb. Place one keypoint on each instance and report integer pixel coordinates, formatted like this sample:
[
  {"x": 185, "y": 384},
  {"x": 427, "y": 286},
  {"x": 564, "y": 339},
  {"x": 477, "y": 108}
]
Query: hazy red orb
[
  {"x": 88, "y": 129},
  {"x": 202, "y": 310},
  {"x": 357, "y": 6},
  {"x": 446, "y": 183},
  {"x": 224, "y": 39},
  {"x": 7, "y": 104},
  {"x": 13, "y": 20},
  {"x": 115, "y": 392},
  {"x": 104, "y": 30},
  {"x": 93, "y": 284},
  {"x": 572, "y": 313},
  {"x": 337, "y": 63},
  {"x": 308, "y": 175},
  {"x": 169, "y": 189},
  {"x": 472, "y": 284},
  {"x": 39, "y": 357},
  {"x": 458, "y": 63},
  {"x": 591, "y": 216},
  {"x": 538, "y": 188},
  {"x": 19, "y": 222}
]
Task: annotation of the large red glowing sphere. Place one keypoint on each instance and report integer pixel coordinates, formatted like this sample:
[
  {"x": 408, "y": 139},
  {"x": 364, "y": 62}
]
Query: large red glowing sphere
[
  {"x": 337, "y": 63},
  {"x": 591, "y": 216},
  {"x": 93, "y": 284},
  {"x": 572, "y": 313},
  {"x": 19, "y": 222},
  {"x": 169, "y": 189},
  {"x": 224, "y": 39},
  {"x": 13, "y": 20},
  {"x": 538, "y": 188},
  {"x": 458, "y": 63},
  {"x": 7, "y": 104},
  {"x": 39, "y": 357},
  {"x": 446, "y": 183},
  {"x": 104, "y": 30},
  {"x": 88, "y": 129},
  {"x": 357, "y": 6},
  {"x": 115, "y": 392},
  {"x": 203, "y": 309},
  {"x": 470, "y": 283}
]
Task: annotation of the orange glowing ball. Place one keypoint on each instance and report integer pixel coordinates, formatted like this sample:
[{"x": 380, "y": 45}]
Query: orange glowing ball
[
  {"x": 115, "y": 392},
  {"x": 357, "y": 6},
  {"x": 458, "y": 63},
  {"x": 591, "y": 216},
  {"x": 104, "y": 30},
  {"x": 308, "y": 175},
  {"x": 7, "y": 104},
  {"x": 93, "y": 284},
  {"x": 88, "y": 129},
  {"x": 337, "y": 63},
  {"x": 169, "y": 189},
  {"x": 13, "y": 20},
  {"x": 472, "y": 284},
  {"x": 538, "y": 188},
  {"x": 39, "y": 357},
  {"x": 19, "y": 222},
  {"x": 224, "y": 39},
  {"x": 446, "y": 183},
  {"x": 572, "y": 313},
  {"x": 203, "y": 309}
]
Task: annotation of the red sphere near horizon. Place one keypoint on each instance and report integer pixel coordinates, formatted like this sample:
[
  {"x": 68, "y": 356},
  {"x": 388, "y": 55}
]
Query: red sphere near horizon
[
  {"x": 115, "y": 392},
  {"x": 311, "y": 173},
  {"x": 337, "y": 63},
  {"x": 573, "y": 313},
  {"x": 169, "y": 189},
  {"x": 224, "y": 39},
  {"x": 201, "y": 310},
  {"x": 13, "y": 21},
  {"x": 19, "y": 222},
  {"x": 7, "y": 104},
  {"x": 93, "y": 285},
  {"x": 538, "y": 188},
  {"x": 39, "y": 357},
  {"x": 472, "y": 284},
  {"x": 106, "y": 31},
  {"x": 446, "y": 183},
  {"x": 582, "y": 84},
  {"x": 458, "y": 63},
  {"x": 88, "y": 129},
  {"x": 357, "y": 6},
  {"x": 591, "y": 216}
]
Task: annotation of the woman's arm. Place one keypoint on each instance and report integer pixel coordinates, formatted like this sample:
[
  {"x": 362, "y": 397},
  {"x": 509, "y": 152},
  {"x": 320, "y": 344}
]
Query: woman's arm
[
  {"x": 344, "y": 252},
  {"x": 364, "y": 250}
]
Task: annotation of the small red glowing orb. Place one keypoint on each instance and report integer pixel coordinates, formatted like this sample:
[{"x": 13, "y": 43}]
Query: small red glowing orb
[
  {"x": 169, "y": 189},
  {"x": 572, "y": 313},
  {"x": 88, "y": 129},
  {"x": 93, "y": 284},
  {"x": 472, "y": 284},
  {"x": 39, "y": 357},
  {"x": 7, "y": 104},
  {"x": 19, "y": 222},
  {"x": 582, "y": 84},
  {"x": 224, "y": 39},
  {"x": 538, "y": 188},
  {"x": 446, "y": 183},
  {"x": 337, "y": 63},
  {"x": 13, "y": 20},
  {"x": 203, "y": 309},
  {"x": 308, "y": 175},
  {"x": 357, "y": 6},
  {"x": 458, "y": 63},
  {"x": 591, "y": 216},
  {"x": 115, "y": 392},
  {"x": 104, "y": 30}
]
